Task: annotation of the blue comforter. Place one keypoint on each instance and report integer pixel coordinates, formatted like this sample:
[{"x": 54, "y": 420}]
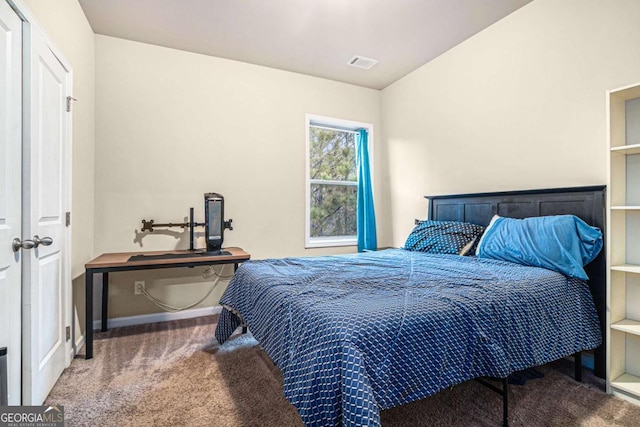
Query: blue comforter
[{"x": 354, "y": 334}]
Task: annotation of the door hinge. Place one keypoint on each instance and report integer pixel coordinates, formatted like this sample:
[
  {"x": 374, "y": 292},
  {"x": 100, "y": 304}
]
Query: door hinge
[
  {"x": 69, "y": 99},
  {"x": 67, "y": 221},
  {"x": 68, "y": 330}
]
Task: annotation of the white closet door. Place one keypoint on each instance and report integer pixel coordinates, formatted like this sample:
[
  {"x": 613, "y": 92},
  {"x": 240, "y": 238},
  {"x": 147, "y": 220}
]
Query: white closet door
[
  {"x": 45, "y": 157},
  {"x": 10, "y": 193}
]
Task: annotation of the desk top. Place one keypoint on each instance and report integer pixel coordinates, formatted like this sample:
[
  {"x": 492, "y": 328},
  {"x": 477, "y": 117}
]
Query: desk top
[{"x": 121, "y": 259}]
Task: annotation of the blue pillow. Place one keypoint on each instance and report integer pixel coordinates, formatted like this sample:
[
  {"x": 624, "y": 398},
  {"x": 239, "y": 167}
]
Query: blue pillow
[
  {"x": 563, "y": 243},
  {"x": 443, "y": 237}
]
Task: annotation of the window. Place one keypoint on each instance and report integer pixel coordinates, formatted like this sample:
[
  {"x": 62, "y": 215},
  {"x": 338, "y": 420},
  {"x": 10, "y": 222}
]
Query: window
[{"x": 332, "y": 181}]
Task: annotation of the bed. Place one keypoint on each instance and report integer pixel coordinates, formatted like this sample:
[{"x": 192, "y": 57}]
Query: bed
[{"x": 356, "y": 334}]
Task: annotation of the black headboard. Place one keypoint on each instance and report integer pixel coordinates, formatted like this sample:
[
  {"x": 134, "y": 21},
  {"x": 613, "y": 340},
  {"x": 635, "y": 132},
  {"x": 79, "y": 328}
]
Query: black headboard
[{"x": 587, "y": 203}]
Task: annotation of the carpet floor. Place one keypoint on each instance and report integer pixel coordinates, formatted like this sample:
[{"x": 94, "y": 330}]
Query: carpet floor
[{"x": 175, "y": 374}]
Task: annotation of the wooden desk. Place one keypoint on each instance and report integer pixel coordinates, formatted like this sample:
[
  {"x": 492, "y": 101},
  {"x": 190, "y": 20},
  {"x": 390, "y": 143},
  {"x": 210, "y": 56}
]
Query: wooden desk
[{"x": 113, "y": 262}]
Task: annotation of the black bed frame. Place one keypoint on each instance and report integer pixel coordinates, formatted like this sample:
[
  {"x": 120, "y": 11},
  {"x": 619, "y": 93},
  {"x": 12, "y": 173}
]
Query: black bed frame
[{"x": 587, "y": 203}]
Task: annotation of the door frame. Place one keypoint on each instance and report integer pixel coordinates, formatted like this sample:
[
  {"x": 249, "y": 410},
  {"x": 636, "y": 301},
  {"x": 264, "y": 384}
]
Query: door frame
[
  {"x": 11, "y": 223},
  {"x": 28, "y": 18}
]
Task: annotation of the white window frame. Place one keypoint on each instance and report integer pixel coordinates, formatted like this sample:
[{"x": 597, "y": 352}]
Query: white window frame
[{"x": 338, "y": 124}]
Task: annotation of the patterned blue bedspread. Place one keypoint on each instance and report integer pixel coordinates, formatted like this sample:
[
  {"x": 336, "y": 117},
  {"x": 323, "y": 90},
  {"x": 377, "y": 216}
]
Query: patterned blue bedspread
[{"x": 354, "y": 334}]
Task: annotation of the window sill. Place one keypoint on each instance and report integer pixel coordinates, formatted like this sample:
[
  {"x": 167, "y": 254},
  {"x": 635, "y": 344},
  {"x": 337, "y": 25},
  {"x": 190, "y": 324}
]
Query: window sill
[{"x": 330, "y": 242}]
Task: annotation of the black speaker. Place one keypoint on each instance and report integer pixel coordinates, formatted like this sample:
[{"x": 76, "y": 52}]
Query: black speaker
[{"x": 214, "y": 221}]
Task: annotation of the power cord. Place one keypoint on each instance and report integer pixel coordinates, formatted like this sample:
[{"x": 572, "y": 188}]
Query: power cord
[
  {"x": 210, "y": 272},
  {"x": 207, "y": 274}
]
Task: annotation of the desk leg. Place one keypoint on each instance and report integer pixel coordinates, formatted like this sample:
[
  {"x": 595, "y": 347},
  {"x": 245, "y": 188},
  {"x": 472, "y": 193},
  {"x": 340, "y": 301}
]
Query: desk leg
[
  {"x": 88, "y": 309},
  {"x": 105, "y": 300}
]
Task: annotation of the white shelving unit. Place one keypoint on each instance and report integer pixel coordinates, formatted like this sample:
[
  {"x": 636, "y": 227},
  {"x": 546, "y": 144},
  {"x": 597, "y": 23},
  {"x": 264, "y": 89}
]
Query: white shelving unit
[{"x": 623, "y": 243}]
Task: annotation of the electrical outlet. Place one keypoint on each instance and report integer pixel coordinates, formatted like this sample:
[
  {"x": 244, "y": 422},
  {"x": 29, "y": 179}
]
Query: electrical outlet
[{"x": 138, "y": 287}]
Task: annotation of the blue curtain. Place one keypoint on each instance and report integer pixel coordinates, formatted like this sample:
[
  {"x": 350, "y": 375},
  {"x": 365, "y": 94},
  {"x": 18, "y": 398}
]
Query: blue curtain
[{"x": 366, "y": 215}]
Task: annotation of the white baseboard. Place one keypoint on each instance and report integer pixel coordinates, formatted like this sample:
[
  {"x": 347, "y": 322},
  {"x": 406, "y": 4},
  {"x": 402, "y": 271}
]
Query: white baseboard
[
  {"x": 118, "y": 322},
  {"x": 77, "y": 346}
]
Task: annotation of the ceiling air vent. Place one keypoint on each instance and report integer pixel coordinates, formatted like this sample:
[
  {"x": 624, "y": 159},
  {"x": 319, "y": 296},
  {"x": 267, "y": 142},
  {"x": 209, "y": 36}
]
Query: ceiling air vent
[{"x": 362, "y": 62}]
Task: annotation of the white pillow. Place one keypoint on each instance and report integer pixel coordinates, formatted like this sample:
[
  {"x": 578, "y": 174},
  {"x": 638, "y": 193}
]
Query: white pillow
[{"x": 493, "y": 220}]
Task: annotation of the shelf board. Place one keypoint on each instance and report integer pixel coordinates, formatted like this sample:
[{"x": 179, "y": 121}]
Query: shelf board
[
  {"x": 627, "y": 268},
  {"x": 626, "y": 149},
  {"x": 625, "y": 208},
  {"x": 627, "y": 382},
  {"x": 627, "y": 325}
]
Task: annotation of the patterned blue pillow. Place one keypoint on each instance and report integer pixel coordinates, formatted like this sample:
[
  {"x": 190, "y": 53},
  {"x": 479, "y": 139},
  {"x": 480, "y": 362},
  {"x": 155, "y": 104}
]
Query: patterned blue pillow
[{"x": 443, "y": 237}]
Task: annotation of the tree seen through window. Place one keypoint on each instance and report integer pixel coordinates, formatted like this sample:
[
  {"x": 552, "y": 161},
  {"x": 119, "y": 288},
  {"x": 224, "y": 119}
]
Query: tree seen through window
[{"x": 333, "y": 181}]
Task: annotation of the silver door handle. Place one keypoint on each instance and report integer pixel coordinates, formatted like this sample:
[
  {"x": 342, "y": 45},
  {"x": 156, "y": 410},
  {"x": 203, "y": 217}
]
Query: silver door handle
[
  {"x": 19, "y": 244},
  {"x": 45, "y": 241}
]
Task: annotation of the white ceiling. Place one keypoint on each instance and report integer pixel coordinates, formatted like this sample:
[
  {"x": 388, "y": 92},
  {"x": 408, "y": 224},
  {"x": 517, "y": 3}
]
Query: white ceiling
[{"x": 314, "y": 37}]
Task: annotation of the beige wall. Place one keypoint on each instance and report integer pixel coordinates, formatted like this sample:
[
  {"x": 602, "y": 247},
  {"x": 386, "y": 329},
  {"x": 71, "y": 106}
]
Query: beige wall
[
  {"x": 520, "y": 105},
  {"x": 65, "y": 23},
  {"x": 172, "y": 125}
]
